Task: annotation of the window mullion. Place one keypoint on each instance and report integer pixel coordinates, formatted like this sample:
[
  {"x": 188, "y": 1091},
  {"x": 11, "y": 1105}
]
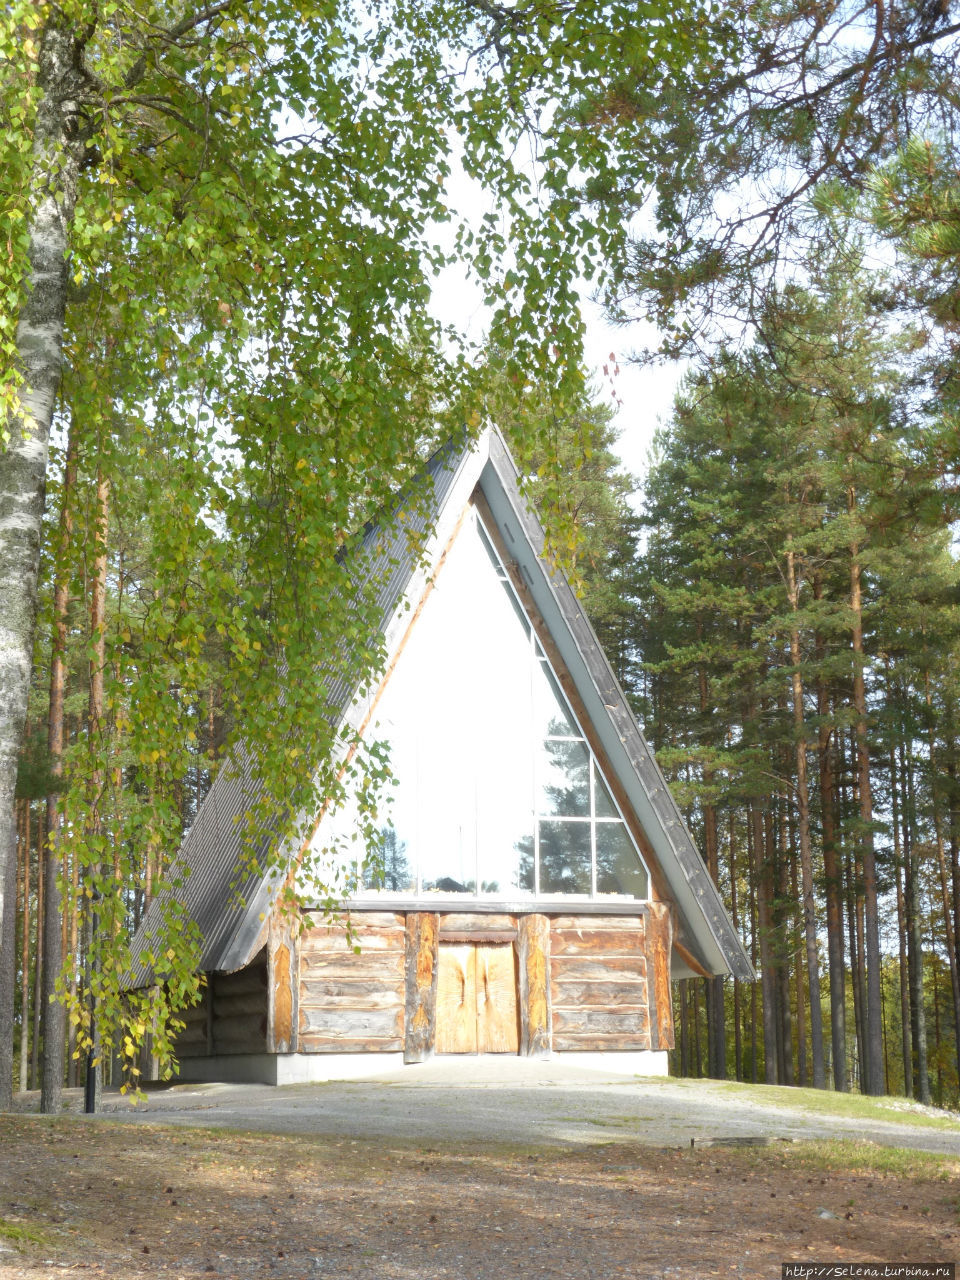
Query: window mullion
[{"x": 593, "y": 828}]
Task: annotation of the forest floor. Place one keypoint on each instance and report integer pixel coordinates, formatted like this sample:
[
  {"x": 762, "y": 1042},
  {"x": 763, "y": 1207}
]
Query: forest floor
[{"x": 133, "y": 1202}]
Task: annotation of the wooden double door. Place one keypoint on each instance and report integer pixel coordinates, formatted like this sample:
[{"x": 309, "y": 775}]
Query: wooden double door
[{"x": 477, "y": 1006}]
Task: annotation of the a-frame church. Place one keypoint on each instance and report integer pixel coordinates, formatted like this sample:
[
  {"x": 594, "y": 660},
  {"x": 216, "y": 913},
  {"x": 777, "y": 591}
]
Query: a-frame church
[{"x": 536, "y": 889}]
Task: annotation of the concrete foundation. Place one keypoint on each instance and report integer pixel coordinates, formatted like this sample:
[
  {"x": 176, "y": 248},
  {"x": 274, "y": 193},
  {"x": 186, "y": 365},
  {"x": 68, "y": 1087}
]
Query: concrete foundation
[{"x": 310, "y": 1068}]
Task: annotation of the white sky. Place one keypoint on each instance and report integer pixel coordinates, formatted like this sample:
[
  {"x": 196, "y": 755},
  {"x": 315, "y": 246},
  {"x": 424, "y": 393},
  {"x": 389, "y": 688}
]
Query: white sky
[{"x": 644, "y": 396}]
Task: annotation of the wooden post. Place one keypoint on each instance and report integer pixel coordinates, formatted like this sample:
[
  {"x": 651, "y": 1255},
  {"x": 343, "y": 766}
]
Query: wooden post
[
  {"x": 658, "y": 939},
  {"x": 420, "y": 985},
  {"x": 208, "y": 1012},
  {"x": 284, "y": 983},
  {"x": 533, "y": 944}
]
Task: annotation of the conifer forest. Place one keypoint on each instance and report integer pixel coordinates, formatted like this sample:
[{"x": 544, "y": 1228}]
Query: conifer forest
[{"x": 222, "y": 227}]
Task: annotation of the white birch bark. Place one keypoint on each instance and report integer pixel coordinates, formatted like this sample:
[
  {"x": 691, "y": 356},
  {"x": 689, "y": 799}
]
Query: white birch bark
[{"x": 57, "y": 148}]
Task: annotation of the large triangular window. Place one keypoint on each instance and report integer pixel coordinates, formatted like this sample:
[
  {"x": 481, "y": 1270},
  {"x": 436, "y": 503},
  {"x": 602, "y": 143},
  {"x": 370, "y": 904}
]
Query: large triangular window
[{"x": 496, "y": 793}]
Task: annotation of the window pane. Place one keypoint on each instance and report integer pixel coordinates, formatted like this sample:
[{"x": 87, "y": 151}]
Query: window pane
[
  {"x": 619, "y": 869},
  {"x": 604, "y": 801},
  {"x": 387, "y": 867},
  {"x": 565, "y": 857},
  {"x": 505, "y": 836},
  {"x": 563, "y": 776},
  {"x": 549, "y": 709},
  {"x": 525, "y": 860}
]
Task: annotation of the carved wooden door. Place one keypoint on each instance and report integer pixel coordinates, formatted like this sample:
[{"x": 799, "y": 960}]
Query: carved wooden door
[{"x": 477, "y": 999}]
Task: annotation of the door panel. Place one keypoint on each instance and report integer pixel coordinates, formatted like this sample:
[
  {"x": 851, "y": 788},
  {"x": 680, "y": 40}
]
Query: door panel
[
  {"x": 498, "y": 1028},
  {"x": 457, "y": 999},
  {"x": 477, "y": 1009}
]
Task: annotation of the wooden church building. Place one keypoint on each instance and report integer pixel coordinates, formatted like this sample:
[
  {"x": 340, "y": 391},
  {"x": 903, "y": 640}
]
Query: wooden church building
[{"x": 536, "y": 890}]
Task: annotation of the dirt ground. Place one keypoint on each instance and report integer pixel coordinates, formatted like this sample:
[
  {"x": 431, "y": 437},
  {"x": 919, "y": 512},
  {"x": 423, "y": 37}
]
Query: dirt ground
[{"x": 118, "y": 1201}]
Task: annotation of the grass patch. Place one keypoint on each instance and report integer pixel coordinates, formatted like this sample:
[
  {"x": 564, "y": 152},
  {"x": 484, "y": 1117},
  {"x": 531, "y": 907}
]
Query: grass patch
[
  {"x": 18, "y": 1235},
  {"x": 854, "y": 1106},
  {"x": 841, "y": 1156}
]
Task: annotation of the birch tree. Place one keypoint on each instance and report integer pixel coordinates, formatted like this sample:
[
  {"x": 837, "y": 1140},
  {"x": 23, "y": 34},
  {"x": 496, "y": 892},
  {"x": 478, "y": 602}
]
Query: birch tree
[{"x": 243, "y": 194}]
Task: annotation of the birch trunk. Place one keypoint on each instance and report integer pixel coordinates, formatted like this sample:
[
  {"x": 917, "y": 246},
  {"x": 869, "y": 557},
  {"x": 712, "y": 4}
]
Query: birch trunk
[
  {"x": 98, "y": 776},
  {"x": 37, "y": 962},
  {"x": 23, "y": 465},
  {"x": 54, "y": 1028},
  {"x": 25, "y": 950}
]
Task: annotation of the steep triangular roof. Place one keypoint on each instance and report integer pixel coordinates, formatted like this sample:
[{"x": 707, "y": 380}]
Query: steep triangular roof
[{"x": 230, "y": 915}]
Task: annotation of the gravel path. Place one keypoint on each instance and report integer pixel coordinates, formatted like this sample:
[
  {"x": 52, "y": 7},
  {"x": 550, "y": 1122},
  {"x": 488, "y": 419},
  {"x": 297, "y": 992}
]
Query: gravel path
[{"x": 489, "y": 1099}]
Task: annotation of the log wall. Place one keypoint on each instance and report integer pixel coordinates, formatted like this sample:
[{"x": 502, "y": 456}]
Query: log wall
[
  {"x": 231, "y": 1016},
  {"x": 587, "y": 983},
  {"x": 598, "y": 981},
  {"x": 349, "y": 1002}
]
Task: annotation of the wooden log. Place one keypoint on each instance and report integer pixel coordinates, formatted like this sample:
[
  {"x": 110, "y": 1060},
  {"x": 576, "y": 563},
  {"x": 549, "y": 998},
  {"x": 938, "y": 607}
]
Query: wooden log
[
  {"x": 228, "y": 1048},
  {"x": 478, "y": 935},
  {"x": 585, "y": 968},
  {"x": 335, "y": 939},
  {"x": 317, "y": 990},
  {"x": 233, "y": 1006},
  {"x": 633, "y": 1021},
  {"x": 368, "y": 930},
  {"x": 355, "y": 996},
  {"x": 658, "y": 944},
  {"x": 196, "y": 1014},
  {"x": 194, "y": 1033},
  {"x": 621, "y": 1043},
  {"x": 387, "y": 967},
  {"x": 609, "y": 995},
  {"x": 243, "y": 982},
  {"x": 339, "y": 1024},
  {"x": 596, "y": 941},
  {"x": 245, "y": 1034},
  {"x": 561, "y": 924},
  {"x": 317, "y": 1043},
  {"x": 420, "y": 985},
  {"x": 476, "y": 925},
  {"x": 359, "y": 920},
  {"x": 533, "y": 951}
]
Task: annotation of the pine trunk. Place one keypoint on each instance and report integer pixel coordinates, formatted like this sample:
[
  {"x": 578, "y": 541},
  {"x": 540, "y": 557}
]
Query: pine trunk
[
  {"x": 764, "y": 883},
  {"x": 754, "y": 931},
  {"x": 951, "y": 941},
  {"x": 716, "y": 1014},
  {"x": 735, "y": 917},
  {"x": 911, "y": 894},
  {"x": 803, "y": 832},
  {"x": 901, "y": 926},
  {"x": 833, "y": 880},
  {"x": 778, "y": 840},
  {"x": 874, "y": 1014}
]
